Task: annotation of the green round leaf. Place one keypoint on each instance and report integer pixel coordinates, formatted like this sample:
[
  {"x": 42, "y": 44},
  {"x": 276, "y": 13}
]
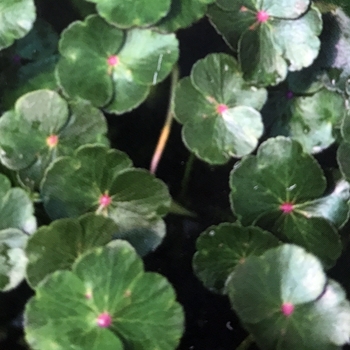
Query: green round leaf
[
  {"x": 221, "y": 248},
  {"x": 219, "y": 110},
  {"x": 287, "y": 293},
  {"x": 115, "y": 71},
  {"x": 13, "y": 260},
  {"x": 277, "y": 189},
  {"x": 282, "y": 39},
  {"x": 140, "y": 307},
  {"x": 16, "y": 20},
  {"x": 56, "y": 128},
  {"x": 183, "y": 13},
  {"x": 56, "y": 247},
  {"x": 126, "y": 14},
  {"x": 311, "y": 120},
  {"x": 75, "y": 185}
]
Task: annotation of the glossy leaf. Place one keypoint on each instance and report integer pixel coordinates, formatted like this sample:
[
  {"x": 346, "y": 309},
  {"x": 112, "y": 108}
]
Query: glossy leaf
[
  {"x": 57, "y": 246},
  {"x": 101, "y": 180},
  {"x": 311, "y": 120},
  {"x": 126, "y": 14},
  {"x": 183, "y": 13},
  {"x": 16, "y": 20},
  {"x": 278, "y": 190},
  {"x": 219, "y": 110},
  {"x": 287, "y": 302},
  {"x": 106, "y": 301},
  {"x": 116, "y": 68},
  {"x": 221, "y": 248},
  {"x": 270, "y": 37},
  {"x": 56, "y": 128}
]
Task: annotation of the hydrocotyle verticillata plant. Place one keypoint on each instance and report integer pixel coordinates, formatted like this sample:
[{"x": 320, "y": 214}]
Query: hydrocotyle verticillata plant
[{"x": 76, "y": 216}]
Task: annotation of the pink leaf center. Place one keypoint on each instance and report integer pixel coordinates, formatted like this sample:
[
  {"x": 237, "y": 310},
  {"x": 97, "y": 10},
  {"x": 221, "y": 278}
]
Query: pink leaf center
[
  {"x": 104, "y": 320},
  {"x": 287, "y": 309},
  {"x": 52, "y": 141},
  {"x": 105, "y": 200},
  {"x": 113, "y": 60},
  {"x": 287, "y": 207},
  {"x": 262, "y": 16},
  {"x": 221, "y": 108}
]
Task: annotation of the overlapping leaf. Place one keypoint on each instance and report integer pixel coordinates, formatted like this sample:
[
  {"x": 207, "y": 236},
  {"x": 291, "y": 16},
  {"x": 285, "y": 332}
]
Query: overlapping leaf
[
  {"x": 287, "y": 302},
  {"x": 103, "y": 181},
  {"x": 312, "y": 120},
  {"x": 219, "y": 110},
  {"x": 281, "y": 189},
  {"x": 343, "y": 151},
  {"x": 126, "y": 14},
  {"x": 271, "y": 37},
  {"x": 57, "y": 246},
  {"x": 221, "y": 248},
  {"x": 183, "y": 13},
  {"x": 110, "y": 67},
  {"x": 16, "y": 20},
  {"x": 108, "y": 302},
  {"x": 55, "y": 129}
]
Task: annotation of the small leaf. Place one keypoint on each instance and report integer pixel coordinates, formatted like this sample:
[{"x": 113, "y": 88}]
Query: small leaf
[
  {"x": 56, "y": 247},
  {"x": 287, "y": 293},
  {"x": 221, "y": 248},
  {"x": 273, "y": 189},
  {"x": 106, "y": 301},
  {"x": 219, "y": 110},
  {"x": 16, "y": 20}
]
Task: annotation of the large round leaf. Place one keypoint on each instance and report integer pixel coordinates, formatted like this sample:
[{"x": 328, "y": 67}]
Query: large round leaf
[
  {"x": 219, "y": 110},
  {"x": 183, "y": 13},
  {"x": 56, "y": 247},
  {"x": 108, "y": 302},
  {"x": 221, "y": 248},
  {"x": 280, "y": 189},
  {"x": 285, "y": 301},
  {"x": 101, "y": 180},
  {"x": 126, "y": 14},
  {"x": 311, "y": 120},
  {"x": 109, "y": 66},
  {"x": 16, "y": 20},
  {"x": 55, "y": 129},
  {"x": 271, "y": 37}
]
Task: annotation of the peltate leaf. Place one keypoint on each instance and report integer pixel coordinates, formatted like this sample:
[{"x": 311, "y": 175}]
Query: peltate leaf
[
  {"x": 270, "y": 37},
  {"x": 16, "y": 20},
  {"x": 219, "y": 110},
  {"x": 106, "y": 301},
  {"x": 101, "y": 180},
  {"x": 287, "y": 302},
  {"x": 110, "y": 67},
  {"x": 221, "y": 248},
  {"x": 276, "y": 188},
  {"x": 56, "y": 128}
]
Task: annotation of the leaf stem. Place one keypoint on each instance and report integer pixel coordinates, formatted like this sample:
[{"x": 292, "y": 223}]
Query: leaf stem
[
  {"x": 187, "y": 174},
  {"x": 246, "y": 343},
  {"x": 164, "y": 135}
]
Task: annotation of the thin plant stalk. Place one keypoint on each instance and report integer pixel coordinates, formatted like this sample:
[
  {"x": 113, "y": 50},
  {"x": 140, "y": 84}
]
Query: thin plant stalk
[{"x": 164, "y": 135}]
